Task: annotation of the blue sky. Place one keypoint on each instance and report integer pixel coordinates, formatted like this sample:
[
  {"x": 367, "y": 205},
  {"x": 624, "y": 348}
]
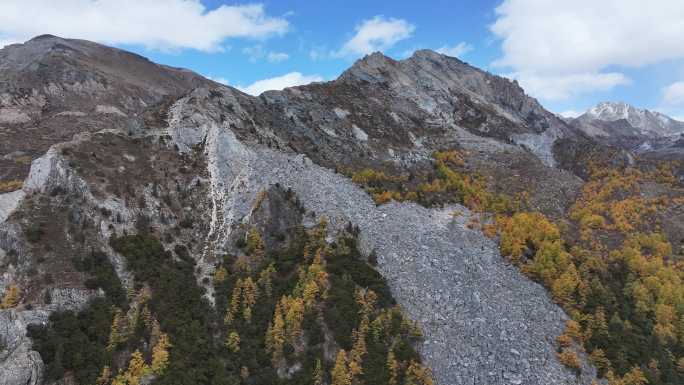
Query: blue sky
[{"x": 569, "y": 55}]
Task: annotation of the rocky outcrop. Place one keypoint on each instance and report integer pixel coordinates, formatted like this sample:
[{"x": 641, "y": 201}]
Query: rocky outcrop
[{"x": 18, "y": 363}]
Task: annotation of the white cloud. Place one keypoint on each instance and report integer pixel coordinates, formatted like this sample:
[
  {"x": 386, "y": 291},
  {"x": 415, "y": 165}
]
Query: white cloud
[
  {"x": 376, "y": 34},
  {"x": 561, "y": 87},
  {"x": 674, "y": 94},
  {"x": 456, "y": 51},
  {"x": 550, "y": 40},
  {"x": 156, "y": 24},
  {"x": 278, "y": 83},
  {"x": 276, "y": 57}
]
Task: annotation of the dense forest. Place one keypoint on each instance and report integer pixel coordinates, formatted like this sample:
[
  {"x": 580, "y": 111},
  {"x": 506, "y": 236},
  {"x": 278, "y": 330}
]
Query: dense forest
[
  {"x": 608, "y": 263},
  {"x": 311, "y": 312}
]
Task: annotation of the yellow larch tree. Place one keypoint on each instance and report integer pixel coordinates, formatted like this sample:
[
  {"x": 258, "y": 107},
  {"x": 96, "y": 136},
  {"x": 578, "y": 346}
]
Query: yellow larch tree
[
  {"x": 293, "y": 311},
  {"x": 250, "y": 292},
  {"x": 160, "y": 354},
  {"x": 234, "y": 305},
  {"x": 105, "y": 376},
  {"x": 255, "y": 246},
  {"x": 11, "y": 297},
  {"x": 115, "y": 334},
  {"x": 275, "y": 337},
  {"x": 233, "y": 342},
  {"x": 340, "y": 373},
  {"x": 220, "y": 274},
  {"x": 137, "y": 368},
  {"x": 417, "y": 374}
]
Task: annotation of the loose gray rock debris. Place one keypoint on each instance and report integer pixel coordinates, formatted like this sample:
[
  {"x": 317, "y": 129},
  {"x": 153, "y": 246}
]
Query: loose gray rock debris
[{"x": 484, "y": 323}]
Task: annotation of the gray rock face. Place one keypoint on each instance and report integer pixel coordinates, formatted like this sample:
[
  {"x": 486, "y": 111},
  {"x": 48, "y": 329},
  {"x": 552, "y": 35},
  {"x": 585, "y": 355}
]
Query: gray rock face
[{"x": 18, "y": 363}]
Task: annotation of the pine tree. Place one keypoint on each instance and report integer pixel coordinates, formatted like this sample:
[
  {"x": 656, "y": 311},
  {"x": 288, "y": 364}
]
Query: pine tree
[
  {"x": 249, "y": 297},
  {"x": 310, "y": 293},
  {"x": 275, "y": 337},
  {"x": 265, "y": 279},
  {"x": 599, "y": 327},
  {"x": 234, "y": 305},
  {"x": 318, "y": 373},
  {"x": 11, "y": 297},
  {"x": 148, "y": 318},
  {"x": 115, "y": 335},
  {"x": 340, "y": 373},
  {"x": 255, "y": 246},
  {"x": 160, "y": 354},
  {"x": 359, "y": 348},
  {"x": 392, "y": 368},
  {"x": 598, "y": 358}
]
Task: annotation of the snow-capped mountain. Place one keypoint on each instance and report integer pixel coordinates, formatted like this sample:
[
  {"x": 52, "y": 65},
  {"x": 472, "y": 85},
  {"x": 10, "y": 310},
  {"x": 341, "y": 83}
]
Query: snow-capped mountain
[
  {"x": 644, "y": 122},
  {"x": 625, "y": 126}
]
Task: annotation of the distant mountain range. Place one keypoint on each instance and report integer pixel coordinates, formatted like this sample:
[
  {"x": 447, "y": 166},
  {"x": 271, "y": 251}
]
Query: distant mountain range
[{"x": 629, "y": 127}]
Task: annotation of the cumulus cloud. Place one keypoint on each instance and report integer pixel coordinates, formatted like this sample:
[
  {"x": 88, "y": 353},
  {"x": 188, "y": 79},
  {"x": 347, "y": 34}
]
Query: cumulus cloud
[
  {"x": 566, "y": 86},
  {"x": 280, "y": 82},
  {"x": 456, "y": 51},
  {"x": 376, "y": 34},
  {"x": 674, "y": 94},
  {"x": 546, "y": 41},
  {"x": 155, "y": 24}
]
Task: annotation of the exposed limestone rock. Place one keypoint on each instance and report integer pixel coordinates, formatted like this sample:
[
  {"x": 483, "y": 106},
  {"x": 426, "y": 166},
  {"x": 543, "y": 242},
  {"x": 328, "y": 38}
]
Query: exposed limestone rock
[
  {"x": 13, "y": 116},
  {"x": 9, "y": 202},
  {"x": 18, "y": 363}
]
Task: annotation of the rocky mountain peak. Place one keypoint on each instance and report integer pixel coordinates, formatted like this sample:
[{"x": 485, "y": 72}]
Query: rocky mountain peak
[
  {"x": 612, "y": 111},
  {"x": 644, "y": 122}
]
